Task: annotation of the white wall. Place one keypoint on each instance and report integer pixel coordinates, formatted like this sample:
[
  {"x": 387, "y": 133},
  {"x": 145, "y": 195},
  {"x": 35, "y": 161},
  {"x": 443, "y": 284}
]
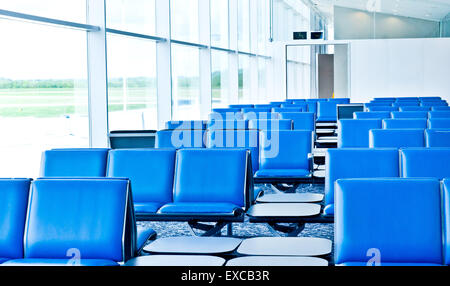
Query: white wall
[{"x": 400, "y": 68}]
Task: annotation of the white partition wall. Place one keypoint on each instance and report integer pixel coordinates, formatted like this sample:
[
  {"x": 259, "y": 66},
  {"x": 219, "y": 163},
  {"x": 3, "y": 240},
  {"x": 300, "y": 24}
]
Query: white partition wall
[{"x": 400, "y": 68}]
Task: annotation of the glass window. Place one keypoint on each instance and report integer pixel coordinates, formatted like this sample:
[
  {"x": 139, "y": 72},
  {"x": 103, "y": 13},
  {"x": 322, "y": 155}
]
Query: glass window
[
  {"x": 69, "y": 10},
  {"x": 136, "y": 16},
  {"x": 263, "y": 25},
  {"x": 184, "y": 17},
  {"x": 220, "y": 79},
  {"x": 244, "y": 25},
  {"x": 262, "y": 79},
  {"x": 244, "y": 79},
  {"x": 43, "y": 94},
  {"x": 219, "y": 23},
  {"x": 185, "y": 83},
  {"x": 132, "y": 92}
]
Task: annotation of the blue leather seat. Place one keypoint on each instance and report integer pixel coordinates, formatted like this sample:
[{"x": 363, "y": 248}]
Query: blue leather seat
[
  {"x": 440, "y": 108},
  {"x": 151, "y": 174},
  {"x": 354, "y": 133},
  {"x": 382, "y": 108},
  {"x": 301, "y": 104},
  {"x": 425, "y": 163},
  {"x": 372, "y": 115},
  {"x": 13, "y": 209},
  {"x": 186, "y": 125},
  {"x": 406, "y": 123},
  {"x": 414, "y": 108},
  {"x": 439, "y": 114},
  {"x": 285, "y": 156},
  {"x": 301, "y": 121},
  {"x": 406, "y": 103},
  {"x": 91, "y": 217},
  {"x": 222, "y": 114},
  {"x": 241, "y": 106},
  {"x": 437, "y": 138},
  {"x": 248, "y": 139},
  {"x": 399, "y": 219},
  {"x": 180, "y": 139},
  {"x": 228, "y": 125},
  {"x": 397, "y": 138},
  {"x": 410, "y": 114},
  {"x": 434, "y": 103},
  {"x": 264, "y": 106},
  {"x": 357, "y": 163},
  {"x": 74, "y": 163},
  {"x": 290, "y": 109},
  {"x": 326, "y": 112},
  {"x": 210, "y": 182},
  {"x": 270, "y": 125},
  {"x": 259, "y": 113},
  {"x": 439, "y": 123},
  {"x": 312, "y": 106},
  {"x": 340, "y": 100},
  {"x": 378, "y": 104}
]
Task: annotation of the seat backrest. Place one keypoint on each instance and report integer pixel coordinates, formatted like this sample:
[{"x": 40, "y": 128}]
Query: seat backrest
[
  {"x": 440, "y": 108},
  {"x": 414, "y": 108},
  {"x": 358, "y": 163},
  {"x": 398, "y": 218},
  {"x": 150, "y": 171},
  {"x": 378, "y": 103},
  {"x": 434, "y": 103},
  {"x": 186, "y": 125},
  {"x": 372, "y": 115},
  {"x": 285, "y": 150},
  {"x": 439, "y": 123},
  {"x": 437, "y": 138},
  {"x": 259, "y": 113},
  {"x": 89, "y": 215},
  {"x": 382, "y": 108},
  {"x": 289, "y": 109},
  {"x": 212, "y": 176},
  {"x": 221, "y": 116},
  {"x": 74, "y": 163},
  {"x": 396, "y": 138},
  {"x": 13, "y": 210},
  {"x": 340, "y": 100},
  {"x": 180, "y": 139},
  {"x": 228, "y": 124},
  {"x": 312, "y": 106},
  {"x": 264, "y": 125},
  {"x": 425, "y": 163},
  {"x": 248, "y": 139},
  {"x": 354, "y": 133},
  {"x": 406, "y": 123},
  {"x": 300, "y": 104},
  {"x": 406, "y": 103},
  {"x": 301, "y": 121},
  {"x": 327, "y": 111},
  {"x": 410, "y": 114},
  {"x": 439, "y": 114},
  {"x": 446, "y": 220},
  {"x": 241, "y": 106}
]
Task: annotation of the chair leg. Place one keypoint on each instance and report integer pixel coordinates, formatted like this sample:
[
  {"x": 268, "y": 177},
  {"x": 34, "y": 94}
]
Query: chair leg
[
  {"x": 293, "y": 230},
  {"x": 209, "y": 230}
]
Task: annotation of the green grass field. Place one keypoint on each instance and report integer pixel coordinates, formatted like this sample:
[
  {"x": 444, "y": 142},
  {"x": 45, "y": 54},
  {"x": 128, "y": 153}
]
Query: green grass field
[{"x": 57, "y": 102}]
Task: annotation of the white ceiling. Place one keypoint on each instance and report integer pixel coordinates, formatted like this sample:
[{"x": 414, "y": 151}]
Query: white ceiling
[{"x": 434, "y": 10}]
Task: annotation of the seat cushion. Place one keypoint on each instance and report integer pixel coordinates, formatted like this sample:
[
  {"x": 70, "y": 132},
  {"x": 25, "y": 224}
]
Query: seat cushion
[
  {"x": 198, "y": 208},
  {"x": 326, "y": 119},
  {"x": 147, "y": 208},
  {"x": 60, "y": 262},
  {"x": 359, "y": 264},
  {"x": 329, "y": 210},
  {"x": 282, "y": 173}
]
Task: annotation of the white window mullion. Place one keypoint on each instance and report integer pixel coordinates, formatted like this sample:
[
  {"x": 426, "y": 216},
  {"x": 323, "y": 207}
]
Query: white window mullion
[{"x": 204, "y": 13}]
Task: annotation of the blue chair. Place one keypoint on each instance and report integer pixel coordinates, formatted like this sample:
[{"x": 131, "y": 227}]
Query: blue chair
[
  {"x": 437, "y": 138},
  {"x": 425, "y": 163},
  {"x": 302, "y": 121},
  {"x": 151, "y": 173},
  {"x": 406, "y": 103},
  {"x": 340, "y": 100},
  {"x": 286, "y": 156},
  {"x": 222, "y": 116},
  {"x": 289, "y": 109},
  {"x": 414, "y": 108},
  {"x": 354, "y": 133},
  {"x": 186, "y": 125},
  {"x": 397, "y": 138},
  {"x": 439, "y": 114},
  {"x": 410, "y": 115},
  {"x": 440, "y": 108},
  {"x": 212, "y": 184},
  {"x": 446, "y": 222},
  {"x": 230, "y": 125},
  {"x": 74, "y": 163},
  {"x": 378, "y": 104},
  {"x": 397, "y": 219},
  {"x": 439, "y": 123},
  {"x": 241, "y": 106},
  {"x": 357, "y": 163},
  {"x": 405, "y": 123},
  {"x": 180, "y": 139},
  {"x": 326, "y": 112},
  {"x": 90, "y": 217},
  {"x": 382, "y": 108},
  {"x": 259, "y": 113},
  {"x": 13, "y": 209},
  {"x": 265, "y": 106},
  {"x": 270, "y": 125},
  {"x": 299, "y": 104},
  {"x": 434, "y": 103},
  {"x": 430, "y": 98},
  {"x": 312, "y": 107},
  {"x": 372, "y": 115},
  {"x": 248, "y": 139}
]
